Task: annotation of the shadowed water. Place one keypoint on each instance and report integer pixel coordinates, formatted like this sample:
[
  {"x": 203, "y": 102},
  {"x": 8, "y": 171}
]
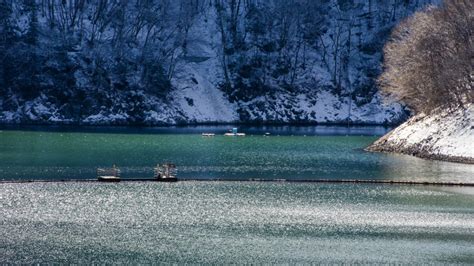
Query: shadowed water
[{"x": 233, "y": 222}]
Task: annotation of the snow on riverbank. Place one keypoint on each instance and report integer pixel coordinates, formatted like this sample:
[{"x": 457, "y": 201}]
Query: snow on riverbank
[{"x": 447, "y": 135}]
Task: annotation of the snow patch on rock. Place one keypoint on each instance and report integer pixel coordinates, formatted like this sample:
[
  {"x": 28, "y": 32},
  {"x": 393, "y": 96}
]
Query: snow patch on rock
[
  {"x": 198, "y": 98},
  {"x": 444, "y": 135}
]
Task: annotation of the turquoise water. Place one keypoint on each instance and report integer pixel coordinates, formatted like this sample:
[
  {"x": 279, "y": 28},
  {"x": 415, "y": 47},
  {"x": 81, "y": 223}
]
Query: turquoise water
[
  {"x": 311, "y": 153},
  {"x": 234, "y": 222},
  {"x": 227, "y": 222}
]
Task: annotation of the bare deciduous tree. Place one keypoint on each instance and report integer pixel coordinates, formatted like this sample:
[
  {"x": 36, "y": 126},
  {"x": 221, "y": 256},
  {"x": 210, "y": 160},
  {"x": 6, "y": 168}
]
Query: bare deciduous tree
[{"x": 429, "y": 61}]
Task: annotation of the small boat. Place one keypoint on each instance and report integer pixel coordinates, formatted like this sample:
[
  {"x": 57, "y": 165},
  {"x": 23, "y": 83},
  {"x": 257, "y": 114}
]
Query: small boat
[
  {"x": 166, "y": 173},
  {"x": 208, "y": 134},
  {"x": 108, "y": 174},
  {"x": 234, "y": 133}
]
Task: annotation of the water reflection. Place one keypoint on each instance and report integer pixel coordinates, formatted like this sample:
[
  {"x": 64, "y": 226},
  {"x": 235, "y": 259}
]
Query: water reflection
[{"x": 282, "y": 130}]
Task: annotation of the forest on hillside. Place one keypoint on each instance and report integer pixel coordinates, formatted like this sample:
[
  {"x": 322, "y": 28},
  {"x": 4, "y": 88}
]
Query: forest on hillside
[{"x": 67, "y": 61}]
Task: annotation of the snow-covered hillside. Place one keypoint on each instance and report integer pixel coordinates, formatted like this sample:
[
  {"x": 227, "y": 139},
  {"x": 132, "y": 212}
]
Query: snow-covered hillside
[
  {"x": 200, "y": 62},
  {"x": 446, "y": 135}
]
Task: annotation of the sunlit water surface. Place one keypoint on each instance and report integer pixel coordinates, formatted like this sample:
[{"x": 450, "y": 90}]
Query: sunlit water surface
[
  {"x": 234, "y": 222},
  {"x": 227, "y": 222}
]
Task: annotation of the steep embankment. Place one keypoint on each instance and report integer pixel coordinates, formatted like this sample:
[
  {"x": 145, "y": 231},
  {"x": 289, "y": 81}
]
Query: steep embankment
[
  {"x": 145, "y": 63},
  {"x": 443, "y": 135}
]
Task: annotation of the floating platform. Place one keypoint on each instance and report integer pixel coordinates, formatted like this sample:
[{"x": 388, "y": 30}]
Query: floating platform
[
  {"x": 166, "y": 173},
  {"x": 234, "y": 134},
  {"x": 108, "y": 174},
  {"x": 162, "y": 173},
  {"x": 108, "y": 179}
]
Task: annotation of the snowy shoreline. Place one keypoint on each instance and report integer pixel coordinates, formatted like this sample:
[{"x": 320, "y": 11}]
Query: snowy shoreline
[
  {"x": 208, "y": 106},
  {"x": 444, "y": 135}
]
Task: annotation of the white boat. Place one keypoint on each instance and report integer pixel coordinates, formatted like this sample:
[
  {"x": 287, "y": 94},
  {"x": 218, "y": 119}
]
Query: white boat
[
  {"x": 234, "y": 133},
  {"x": 208, "y": 134}
]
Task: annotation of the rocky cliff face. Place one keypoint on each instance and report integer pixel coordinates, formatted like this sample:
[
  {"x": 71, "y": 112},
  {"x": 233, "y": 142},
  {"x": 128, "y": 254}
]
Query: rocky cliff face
[
  {"x": 170, "y": 62},
  {"x": 443, "y": 135}
]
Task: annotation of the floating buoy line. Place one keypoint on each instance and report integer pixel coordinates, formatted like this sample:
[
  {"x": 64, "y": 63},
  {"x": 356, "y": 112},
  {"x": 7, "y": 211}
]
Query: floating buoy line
[{"x": 329, "y": 181}]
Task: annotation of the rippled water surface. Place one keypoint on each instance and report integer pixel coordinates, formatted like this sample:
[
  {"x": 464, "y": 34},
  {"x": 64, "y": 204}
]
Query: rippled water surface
[
  {"x": 290, "y": 153},
  {"x": 234, "y": 222},
  {"x": 227, "y": 222}
]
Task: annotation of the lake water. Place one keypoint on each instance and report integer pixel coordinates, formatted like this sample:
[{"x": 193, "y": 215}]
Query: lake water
[
  {"x": 234, "y": 222},
  {"x": 227, "y": 222},
  {"x": 289, "y": 153}
]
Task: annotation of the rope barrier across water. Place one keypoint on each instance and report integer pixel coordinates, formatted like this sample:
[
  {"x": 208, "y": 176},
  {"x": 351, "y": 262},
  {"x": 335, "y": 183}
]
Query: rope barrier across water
[{"x": 337, "y": 181}]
